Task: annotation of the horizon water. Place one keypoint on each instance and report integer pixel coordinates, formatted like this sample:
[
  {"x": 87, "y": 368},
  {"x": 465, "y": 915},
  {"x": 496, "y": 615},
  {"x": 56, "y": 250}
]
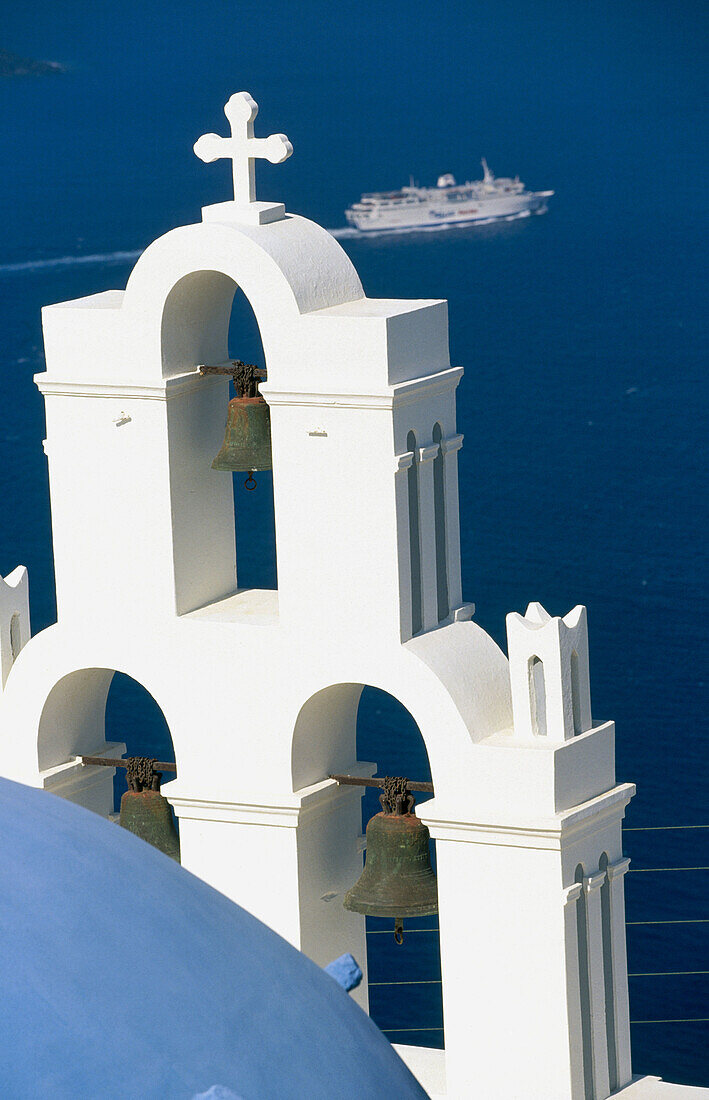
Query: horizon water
[{"x": 582, "y": 333}]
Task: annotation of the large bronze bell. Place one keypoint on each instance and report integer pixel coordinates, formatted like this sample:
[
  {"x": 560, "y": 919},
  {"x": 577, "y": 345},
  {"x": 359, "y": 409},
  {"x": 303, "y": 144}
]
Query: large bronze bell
[
  {"x": 247, "y": 439},
  {"x": 147, "y": 813},
  {"x": 398, "y": 879}
]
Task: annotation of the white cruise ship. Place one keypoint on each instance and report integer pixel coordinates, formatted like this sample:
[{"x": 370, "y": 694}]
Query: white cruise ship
[{"x": 446, "y": 204}]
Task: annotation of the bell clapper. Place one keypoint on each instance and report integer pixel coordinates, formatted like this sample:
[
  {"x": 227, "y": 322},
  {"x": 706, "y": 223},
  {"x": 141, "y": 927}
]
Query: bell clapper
[
  {"x": 252, "y": 480},
  {"x": 398, "y": 931}
]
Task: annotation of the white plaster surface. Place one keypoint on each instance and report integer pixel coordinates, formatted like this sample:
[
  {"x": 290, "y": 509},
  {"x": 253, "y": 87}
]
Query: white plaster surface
[
  {"x": 653, "y": 1088},
  {"x": 14, "y": 619},
  {"x": 428, "y": 1066},
  {"x": 147, "y": 584}
]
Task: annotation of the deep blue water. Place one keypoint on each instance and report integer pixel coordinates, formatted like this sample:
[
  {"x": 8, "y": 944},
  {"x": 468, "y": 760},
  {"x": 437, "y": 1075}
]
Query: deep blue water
[{"x": 582, "y": 332}]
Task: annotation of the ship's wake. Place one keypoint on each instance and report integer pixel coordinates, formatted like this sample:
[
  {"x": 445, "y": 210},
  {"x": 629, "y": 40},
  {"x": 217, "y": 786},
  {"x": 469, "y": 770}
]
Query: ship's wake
[
  {"x": 345, "y": 232},
  {"x": 69, "y": 261}
]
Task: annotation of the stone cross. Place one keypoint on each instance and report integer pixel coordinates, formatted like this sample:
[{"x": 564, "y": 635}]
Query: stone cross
[{"x": 242, "y": 148}]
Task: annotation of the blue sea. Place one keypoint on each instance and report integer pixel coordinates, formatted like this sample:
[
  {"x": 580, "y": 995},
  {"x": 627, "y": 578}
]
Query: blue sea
[{"x": 582, "y": 332}]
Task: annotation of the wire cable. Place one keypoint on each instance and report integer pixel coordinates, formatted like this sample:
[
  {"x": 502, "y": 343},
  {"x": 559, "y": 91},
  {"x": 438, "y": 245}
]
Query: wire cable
[
  {"x": 396, "y": 1030},
  {"x": 690, "y": 1020},
  {"x": 645, "y": 870},
  {"x": 389, "y": 931},
  {"x": 423, "y": 981},
  {"x": 635, "y": 974},
  {"x": 660, "y": 973},
  {"x": 696, "y": 920}
]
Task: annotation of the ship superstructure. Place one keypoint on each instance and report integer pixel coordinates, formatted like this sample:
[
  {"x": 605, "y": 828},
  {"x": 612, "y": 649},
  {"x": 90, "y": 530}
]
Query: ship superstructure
[{"x": 446, "y": 204}]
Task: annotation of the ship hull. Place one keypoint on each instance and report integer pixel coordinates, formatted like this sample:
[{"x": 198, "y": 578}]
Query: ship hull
[{"x": 436, "y": 216}]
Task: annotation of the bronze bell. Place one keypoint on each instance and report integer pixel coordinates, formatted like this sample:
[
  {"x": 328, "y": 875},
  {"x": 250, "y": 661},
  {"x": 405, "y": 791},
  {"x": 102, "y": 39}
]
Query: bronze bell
[
  {"x": 398, "y": 879},
  {"x": 145, "y": 812},
  {"x": 247, "y": 439}
]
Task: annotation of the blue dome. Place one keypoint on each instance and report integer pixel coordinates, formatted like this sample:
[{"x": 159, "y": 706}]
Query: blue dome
[{"x": 126, "y": 976}]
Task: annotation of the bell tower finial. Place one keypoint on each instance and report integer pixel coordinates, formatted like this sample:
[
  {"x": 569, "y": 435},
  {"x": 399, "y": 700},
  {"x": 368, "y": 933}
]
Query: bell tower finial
[{"x": 243, "y": 149}]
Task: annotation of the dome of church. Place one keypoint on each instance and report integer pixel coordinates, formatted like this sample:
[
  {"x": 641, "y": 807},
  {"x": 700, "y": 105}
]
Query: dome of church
[{"x": 124, "y": 975}]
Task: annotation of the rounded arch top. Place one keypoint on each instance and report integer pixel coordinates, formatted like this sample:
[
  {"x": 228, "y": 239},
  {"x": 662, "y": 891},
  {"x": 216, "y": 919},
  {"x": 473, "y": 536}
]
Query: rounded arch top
[
  {"x": 178, "y": 298},
  {"x": 454, "y": 684},
  {"x": 72, "y": 716}
]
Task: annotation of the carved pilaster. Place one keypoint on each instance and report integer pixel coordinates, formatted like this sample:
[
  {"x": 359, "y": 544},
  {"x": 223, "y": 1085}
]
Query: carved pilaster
[
  {"x": 426, "y": 456},
  {"x": 594, "y": 925},
  {"x": 619, "y": 963},
  {"x": 573, "y": 991},
  {"x": 449, "y": 450}
]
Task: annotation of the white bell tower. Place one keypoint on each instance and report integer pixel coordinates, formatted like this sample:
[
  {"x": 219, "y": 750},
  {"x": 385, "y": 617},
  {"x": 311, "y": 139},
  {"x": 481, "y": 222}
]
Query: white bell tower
[{"x": 260, "y": 688}]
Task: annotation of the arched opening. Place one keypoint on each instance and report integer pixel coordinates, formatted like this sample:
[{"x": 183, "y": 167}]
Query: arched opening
[
  {"x": 576, "y": 692},
  {"x": 90, "y": 712},
  {"x": 72, "y": 720},
  {"x": 414, "y": 537},
  {"x": 132, "y": 716},
  {"x": 336, "y": 727},
  {"x": 584, "y": 986},
  {"x": 439, "y": 515},
  {"x": 195, "y": 321},
  {"x": 388, "y": 735},
  {"x": 537, "y": 696},
  {"x": 208, "y": 320},
  {"x": 608, "y": 982}
]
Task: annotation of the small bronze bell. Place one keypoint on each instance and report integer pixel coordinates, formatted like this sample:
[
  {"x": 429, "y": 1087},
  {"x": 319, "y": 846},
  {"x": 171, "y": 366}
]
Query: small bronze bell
[
  {"x": 145, "y": 812},
  {"x": 247, "y": 439},
  {"x": 398, "y": 879}
]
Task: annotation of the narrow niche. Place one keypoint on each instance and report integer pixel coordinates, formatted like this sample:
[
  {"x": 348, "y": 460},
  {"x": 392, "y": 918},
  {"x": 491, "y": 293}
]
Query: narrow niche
[
  {"x": 576, "y": 692},
  {"x": 439, "y": 515},
  {"x": 537, "y": 696},
  {"x": 584, "y": 987},
  {"x": 15, "y": 636},
  {"x": 253, "y": 508},
  {"x": 414, "y": 537}
]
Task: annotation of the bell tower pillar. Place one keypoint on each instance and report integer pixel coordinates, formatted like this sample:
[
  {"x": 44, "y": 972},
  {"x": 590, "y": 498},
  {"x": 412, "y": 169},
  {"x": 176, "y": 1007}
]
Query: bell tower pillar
[
  {"x": 287, "y": 857},
  {"x": 530, "y": 876}
]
